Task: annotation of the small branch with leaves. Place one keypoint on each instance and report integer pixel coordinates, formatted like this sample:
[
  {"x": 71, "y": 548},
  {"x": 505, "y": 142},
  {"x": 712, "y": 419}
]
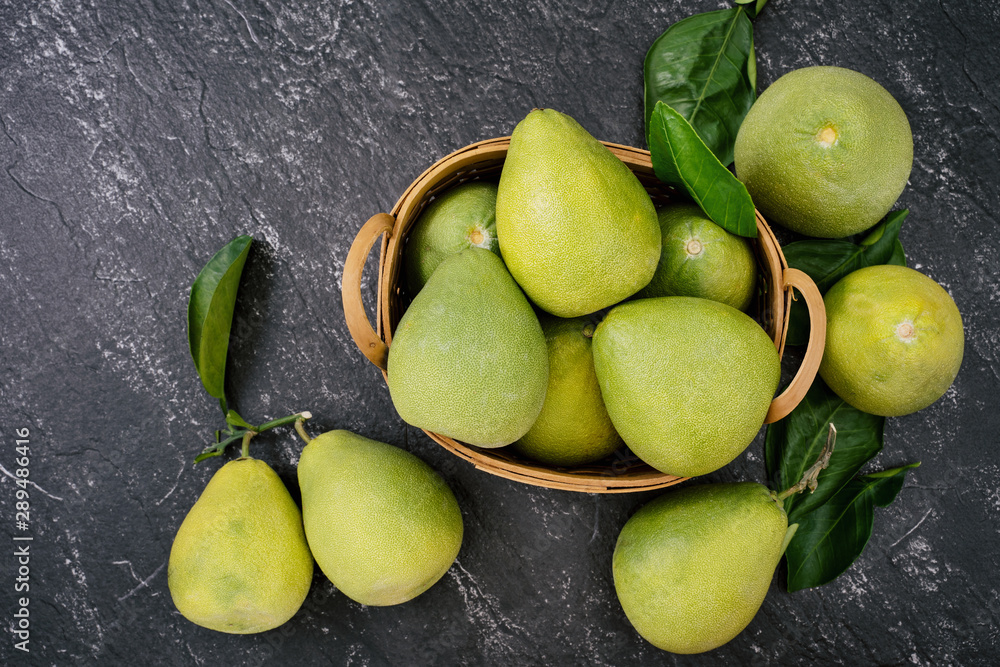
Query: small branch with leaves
[
  {"x": 210, "y": 319},
  {"x": 240, "y": 430}
]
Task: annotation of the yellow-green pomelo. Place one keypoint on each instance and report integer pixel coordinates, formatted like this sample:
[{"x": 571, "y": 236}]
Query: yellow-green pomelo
[
  {"x": 687, "y": 381},
  {"x": 702, "y": 259},
  {"x": 239, "y": 562},
  {"x": 824, "y": 151},
  {"x": 573, "y": 427},
  {"x": 693, "y": 566},
  {"x": 894, "y": 340},
  {"x": 462, "y": 217},
  {"x": 577, "y": 230},
  {"x": 382, "y": 525},
  {"x": 468, "y": 358}
]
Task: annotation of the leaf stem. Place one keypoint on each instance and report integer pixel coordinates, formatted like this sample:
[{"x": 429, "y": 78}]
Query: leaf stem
[
  {"x": 284, "y": 420},
  {"x": 809, "y": 479}
]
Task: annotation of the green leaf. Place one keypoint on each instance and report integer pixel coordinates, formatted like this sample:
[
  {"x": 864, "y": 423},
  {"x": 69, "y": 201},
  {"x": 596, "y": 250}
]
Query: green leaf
[
  {"x": 832, "y": 259},
  {"x": 681, "y": 158},
  {"x": 234, "y": 420},
  {"x": 886, "y": 484},
  {"x": 703, "y": 66},
  {"x": 830, "y": 538},
  {"x": 898, "y": 256},
  {"x": 218, "y": 447},
  {"x": 828, "y": 260},
  {"x": 210, "y": 313},
  {"x": 793, "y": 444}
]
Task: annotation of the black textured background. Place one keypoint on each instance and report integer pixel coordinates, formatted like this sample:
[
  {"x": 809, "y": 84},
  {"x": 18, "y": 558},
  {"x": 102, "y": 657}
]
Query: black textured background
[{"x": 140, "y": 136}]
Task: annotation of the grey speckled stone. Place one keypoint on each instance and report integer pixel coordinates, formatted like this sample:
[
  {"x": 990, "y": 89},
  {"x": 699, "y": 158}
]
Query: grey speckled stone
[{"x": 138, "y": 137}]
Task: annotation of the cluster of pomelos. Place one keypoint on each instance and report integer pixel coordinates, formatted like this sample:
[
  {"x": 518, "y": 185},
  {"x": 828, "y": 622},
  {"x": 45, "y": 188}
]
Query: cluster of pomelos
[
  {"x": 381, "y": 524},
  {"x": 558, "y": 312},
  {"x": 564, "y": 315},
  {"x": 826, "y": 152}
]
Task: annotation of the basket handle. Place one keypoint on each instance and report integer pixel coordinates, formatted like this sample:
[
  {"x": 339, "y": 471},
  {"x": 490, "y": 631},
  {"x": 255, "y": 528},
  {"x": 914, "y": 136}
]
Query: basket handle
[
  {"x": 369, "y": 342},
  {"x": 797, "y": 388}
]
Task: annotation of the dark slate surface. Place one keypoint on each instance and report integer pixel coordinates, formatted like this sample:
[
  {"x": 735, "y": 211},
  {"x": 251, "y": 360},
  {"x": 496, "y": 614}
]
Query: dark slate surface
[{"x": 138, "y": 137}]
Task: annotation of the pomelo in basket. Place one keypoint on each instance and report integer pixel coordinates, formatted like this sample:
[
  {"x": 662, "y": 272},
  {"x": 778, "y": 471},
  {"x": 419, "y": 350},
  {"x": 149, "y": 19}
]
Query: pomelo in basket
[
  {"x": 824, "y": 151},
  {"x": 468, "y": 358},
  {"x": 687, "y": 381},
  {"x": 577, "y": 230},
  {"x": 702, "y": 259},
  {"x": 574, "y": 427},
  {"x": 461, "y": 217},
  {"x": 894, "y": 340}
]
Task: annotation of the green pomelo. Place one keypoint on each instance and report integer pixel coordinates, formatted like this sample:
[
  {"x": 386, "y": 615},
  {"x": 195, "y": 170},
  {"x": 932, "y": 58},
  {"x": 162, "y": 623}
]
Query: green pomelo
[
  {"x": 462, "y": 217},
  {"x": 577, "y": 230},
  {"x": 468, "y": 358},
  {"x": 382, "y": 525},
  {"x": 240, "y": 562},
  {"x": 894, "y": 340},
  {"x": 692, "y": 567},
  {"x": 573, "y": 427},
  {"x": 702, "y": 259},
  {"x": 687, "y": 381},
  {"x": 825, "y": 151}
]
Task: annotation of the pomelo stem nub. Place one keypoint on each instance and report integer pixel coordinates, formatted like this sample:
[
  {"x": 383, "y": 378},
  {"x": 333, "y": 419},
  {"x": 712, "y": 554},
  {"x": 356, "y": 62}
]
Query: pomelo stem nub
[
  {"x": 246, "y": 443},
  {"x": 301, "y": 429},
  {"x": 810, "y": 476},
  {"x": 826, "y": 137}
]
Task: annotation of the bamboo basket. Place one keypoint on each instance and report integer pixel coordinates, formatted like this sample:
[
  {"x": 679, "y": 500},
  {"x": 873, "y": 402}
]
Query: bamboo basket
[{"x": 620, "y": 473}]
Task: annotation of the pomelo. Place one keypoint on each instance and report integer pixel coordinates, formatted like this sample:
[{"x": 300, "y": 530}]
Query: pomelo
[
  {"x": 894, "y": 340},
  {"x": 577, "y": 230},
  {"x": 240, "y": 563},
  {"x": 693, "y": 566},
  {"x": 687, "y": 381},
  {"x": 825, "y": 151},
  {"x": 382, "y": 524},
  {"x": 468, "y": 358},
  {"x": 700, "y": 258},
  {"x": 574, "y": 427},
  {"x": 461, "y": 217}
]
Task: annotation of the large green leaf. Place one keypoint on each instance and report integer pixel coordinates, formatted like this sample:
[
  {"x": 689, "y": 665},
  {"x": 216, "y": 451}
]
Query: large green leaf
[
  {"x": 794, "y": 443},
  {"x": 831, "y": 537},
  {"x": 704, "y": 67},
  {"x": 828, "y": 260},
  {"x": 210, "y": 313},
  {"x": 681, "y": 158}
]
